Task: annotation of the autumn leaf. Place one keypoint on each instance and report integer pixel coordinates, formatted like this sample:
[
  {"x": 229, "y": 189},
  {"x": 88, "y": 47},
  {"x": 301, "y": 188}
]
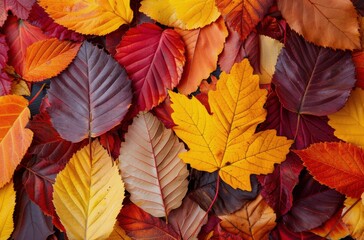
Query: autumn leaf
[
  {"x": 47, "y": 58},
  {"x": 7, "y": 206},
  {"x": 160, "y": 57},
  {"x": 20, "y": 87},
  {"x": 337, "y": 165},
  {"x": 20, "y": 8},
  {"x": 348, "y": 121},
  {"x": 118, "y": 233},
  {"x": 88, "y": 193},
  {"x": 354, "y": 218},
  {"x": 332, "y": 25},
  {"x": 254, "y": 221},
  {"x": 14, "y": 137},
  {"x": 184, "y": 14},
  {"x": 89, "y": 17},
  {"x": 202, "y": 49},
  {"x": 99, "y": 94},
  {"x": 243, "y": 15},
  {"x": 151, "y": 148},
  {"x": 226, "y": 141},
  {"x": 358, "y": 59}
]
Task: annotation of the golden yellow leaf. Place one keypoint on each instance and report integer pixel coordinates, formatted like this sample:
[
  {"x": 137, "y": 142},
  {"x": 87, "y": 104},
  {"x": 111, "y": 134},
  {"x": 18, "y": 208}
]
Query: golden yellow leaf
[
  {"x": 97, "y": 17},
  {"x": 184, "y": 14},
  {"x": 353, "y": 217},
  {"x": 226, "y": 141},
  {"x": 14, "y": 137},
  {"x": 7, "y": 206},
  {"x": 348, "y": 122},
  {"x": 88, "y": 194},
  {"x": 254, "y": 221},
  {"x": 269, "y": 51},
  {"x": 20, "y": 88}
]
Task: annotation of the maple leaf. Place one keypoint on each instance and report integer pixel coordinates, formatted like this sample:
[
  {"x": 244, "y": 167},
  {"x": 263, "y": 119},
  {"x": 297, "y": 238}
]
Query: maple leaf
[{"x": 226, "y": 141}]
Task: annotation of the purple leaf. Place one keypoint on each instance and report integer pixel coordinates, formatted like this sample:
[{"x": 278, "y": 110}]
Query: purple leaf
[{"x": 311, "y": 79}]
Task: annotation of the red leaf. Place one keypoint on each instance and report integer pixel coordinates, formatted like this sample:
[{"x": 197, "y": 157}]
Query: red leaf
[
  {"x": 90, "y": 97},
  {"x": 235, "y": 50},
  {"x": 154, "y": 59},
  {"x": 113, "y": 39},
  {"x": 277, "y": 187},
  {"x": 313, "y": 204},
  {"x": 141, "y": 225},
  {"x": 3, "y": 51},
  {"x": 272, "y": 27},
  {"x": 358, "y": 58},
  {"x": 311, "y": 79},
  {"x": 19, "y": 35},
  {"x": 163, "y": 112},
  {"x": 3, "y": 13},
  {"x": 20, "y": 8},
  {"x": 39, "y": 18},
  {"x": 243, "y": 15},
  {"x": 5, "y": 84}
]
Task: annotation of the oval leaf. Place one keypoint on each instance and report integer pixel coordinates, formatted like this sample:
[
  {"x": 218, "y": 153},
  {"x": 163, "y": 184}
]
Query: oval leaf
[
  {"x": 88, "y": 194},
  {"x": 254, "y": 221},
  {"x": 90, "y": 97},
  {"x": 151, "y": 148},
  {"x": 329, "y": 25},
  {"x": 348, "y": 122},
  {"x": 154, "y": 59},
  {"x": 313, "y": 80},
  {"x": 337, "y": 165},
  {"x": 7, "y": 206},
  {"x": 14, "y": 137},
  {"x": 47, "y": 58},
  {"x": 203, "y": 47},
  {"x": 89, "y": 17}
]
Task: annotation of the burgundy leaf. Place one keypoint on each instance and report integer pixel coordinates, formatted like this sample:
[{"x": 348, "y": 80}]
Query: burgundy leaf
[
  {"x": 5, "y": 84},
  {"x": 235, "y": 50},
  {"x": 311, "y": 79},
  {"x": 3, "y": 51},
  {"x": 163, "y": 112},
  {"x": 90, "y": 97},
  {"x": 358, "y": 58},
  {"x": 281, "y": 231},
  {"x": 272, "y": 27},
  {"x": 20, "y": 8},
  {"x": 38, "y": 17},
  {"x": 313, "y": 204},
  {"x": 229, "y": 200},
  {"x": 154, "y": 59},
  {"x": 30, "y": 224},
  {"x": 141, "y": 225},
  {"x": 305, "y": 129},
  {"x": 277, "y": 186},
  {"x": 113, "y": 39}
]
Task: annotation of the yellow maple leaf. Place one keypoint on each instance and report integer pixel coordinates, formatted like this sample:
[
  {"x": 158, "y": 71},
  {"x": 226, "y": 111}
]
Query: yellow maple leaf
[
  {"x": 98, "y": 17},
  {"x": 88, "y": 194},
  {"x": 7, "y": 206},
  {"x": 184, "y": 14},
  {"x": 348, "y": 122},
  {"x": 225, "y": 141}
]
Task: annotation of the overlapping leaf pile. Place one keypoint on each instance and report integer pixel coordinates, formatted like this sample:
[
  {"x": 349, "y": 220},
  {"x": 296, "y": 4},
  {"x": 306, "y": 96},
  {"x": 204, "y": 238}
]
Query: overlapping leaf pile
[{"x": 181, "y": 119}]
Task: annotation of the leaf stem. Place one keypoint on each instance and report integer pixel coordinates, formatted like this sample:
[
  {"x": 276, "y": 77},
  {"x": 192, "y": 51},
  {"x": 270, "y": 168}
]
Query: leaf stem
[{"x": 37, "y": 94}]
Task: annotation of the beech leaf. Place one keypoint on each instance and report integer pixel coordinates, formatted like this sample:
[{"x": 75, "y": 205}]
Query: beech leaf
[
  {"x": 154, "y": 59},
  {"x": 90, "y": 97},
  {"x": 89, "y": 17},
  {"x": 313, "y": 80},
  {"x": 7, "y": 207},
  {"x": 329, "y": 25},
  {"x": 14, "y": 137},
  {"x": 47, "y": 58},
  {"x": 153, "y": 174},
  {"x": 88, "y": 193},
  {"x": 226, "y": 141},
  {"x": 348, "y": 122}
]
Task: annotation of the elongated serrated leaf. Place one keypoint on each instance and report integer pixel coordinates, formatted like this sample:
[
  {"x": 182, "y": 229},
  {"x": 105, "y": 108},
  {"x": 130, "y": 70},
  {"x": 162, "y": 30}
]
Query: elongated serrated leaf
[
  {"x": 47, "y": 58},
  {"x": 254, "y": 221},
  {"x": 226, "y": 141},
  {"x": 88, "y": 194},
  {"x": 153, "y": 174},
  {"x": 90, "y": 97},
  {"x": 14, "y": 137},
  {"x": 188, "y": 219},
  {"x": 348, "y": 122},
  {"x": 243, "y": 15},
  {"x": 7, "y": 207},
  {"x": 89, "y": 17},
  {"x": 329, "y": 25},
  {"x": 154, "y": 59},
  {"x": 311, "y": 79},
  {"x": 203, "y": 47}
]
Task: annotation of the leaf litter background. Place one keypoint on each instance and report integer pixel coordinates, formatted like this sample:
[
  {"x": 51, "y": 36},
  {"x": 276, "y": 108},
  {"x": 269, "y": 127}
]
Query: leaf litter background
[{"x": 194, "y": 119}]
